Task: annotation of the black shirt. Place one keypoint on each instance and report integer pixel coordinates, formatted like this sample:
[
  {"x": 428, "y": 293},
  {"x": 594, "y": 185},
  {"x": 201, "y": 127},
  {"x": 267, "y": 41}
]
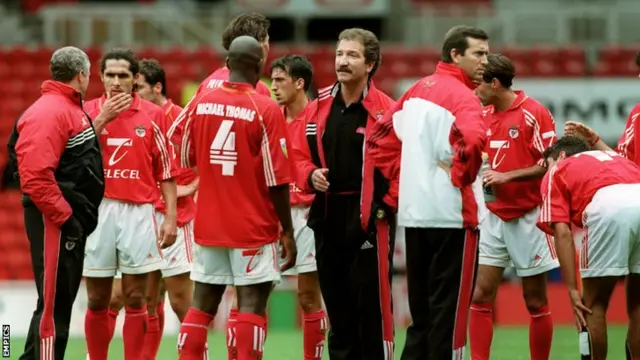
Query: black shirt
[{"x": 343, "y": 143}]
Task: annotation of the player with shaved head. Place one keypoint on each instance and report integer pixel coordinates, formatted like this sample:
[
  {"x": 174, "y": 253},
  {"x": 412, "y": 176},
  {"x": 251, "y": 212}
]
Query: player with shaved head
[{"x": 237, "y": 139}]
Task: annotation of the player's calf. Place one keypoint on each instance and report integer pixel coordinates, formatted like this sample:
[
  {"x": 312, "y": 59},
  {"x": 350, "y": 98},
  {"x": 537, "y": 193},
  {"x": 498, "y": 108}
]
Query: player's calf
[
  {"x": 96, "y": 322},
  {"x": 596, "y": 295},
  {"x": 136, "y": 321},
  {"x": 481, "y": 316},
  {"x": 153, "y": 337},
  {"x": 115, "y": 305},
  {"x": 193, "y": 332},
  {"x": 633, "y": 311},
  {"x": 180, "y": 289},
  {"x": 315, "y": 318},
  {"x": 534, "y": 291},
  {"x": 252, "y": 306}
]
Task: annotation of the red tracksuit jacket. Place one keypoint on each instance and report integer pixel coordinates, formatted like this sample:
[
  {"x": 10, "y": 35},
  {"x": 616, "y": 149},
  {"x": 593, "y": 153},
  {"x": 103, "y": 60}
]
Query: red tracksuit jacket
[{"x": 308, "y": 152}]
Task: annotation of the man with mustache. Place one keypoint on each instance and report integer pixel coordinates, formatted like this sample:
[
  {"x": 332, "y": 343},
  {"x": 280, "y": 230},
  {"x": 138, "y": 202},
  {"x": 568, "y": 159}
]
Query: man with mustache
[
  {"x": 353, "y": 248},
  {"x": 436, "y": 131}
]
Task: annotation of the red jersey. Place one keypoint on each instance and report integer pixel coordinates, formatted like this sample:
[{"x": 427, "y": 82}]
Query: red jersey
[
  {"x": 298, "y": 197},
  {"x": 568, "y": 188},
  {"x": 238, "y": 141},
  {"x": 627, "y": 144},
  {"x": 221, "y": 75},
  {"x": 135, "y": 152},
  {"x": 186, "y": 206},
  {"x": 517, "y": 138}
]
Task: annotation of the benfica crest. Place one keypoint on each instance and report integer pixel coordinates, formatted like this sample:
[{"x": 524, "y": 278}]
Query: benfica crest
[
  {"x": 140, "y": 131},
  {"x": 514, "y": 132}
]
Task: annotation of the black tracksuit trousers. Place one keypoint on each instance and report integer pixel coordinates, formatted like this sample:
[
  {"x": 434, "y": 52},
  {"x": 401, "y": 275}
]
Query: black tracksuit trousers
[
  {"x": 354, "y": 268},
  {"x": 441, "y": 266},
  {"x": 57, "y": 268}
]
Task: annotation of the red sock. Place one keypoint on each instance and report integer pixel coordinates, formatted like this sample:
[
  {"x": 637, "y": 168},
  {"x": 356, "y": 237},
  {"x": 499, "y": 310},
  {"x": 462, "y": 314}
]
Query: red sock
[
  {"x": 160, "y": 312},
  {"x": 193, "y": 334},
  {"x": 266, "y": 325},
  {"x": 134, "y": 332},
  {"x": 540, "y": 334},
  {"x": 250, "y": 336},
  {"x": 96, "y": 324},
  {"x": 314, "y": 330},
  {"x": 152, "y": 339},
  {"x": 231, "y": 335},
  {"x": 113, "y": 316},
  {"x": 480, "y": 331}
]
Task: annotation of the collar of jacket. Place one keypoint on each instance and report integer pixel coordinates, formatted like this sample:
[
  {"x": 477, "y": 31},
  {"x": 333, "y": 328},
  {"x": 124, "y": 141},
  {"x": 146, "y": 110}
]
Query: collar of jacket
[
  {"x": 57, "y": 87},
  {"x": 371, "y": 97},
  {"x": 452, "y": 70}
]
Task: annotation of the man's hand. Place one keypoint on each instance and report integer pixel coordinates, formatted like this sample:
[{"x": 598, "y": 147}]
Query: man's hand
[
  {"x": 319, "y": 179},
  {"x": 495, "y": 178},
  {"x": 168, "y": 233},
  {"x": 574, "y": 128},
  {"x": 579, "y": 309},
  {"x": 289, "y": 250},
  {"x": 115, "y": 105}
]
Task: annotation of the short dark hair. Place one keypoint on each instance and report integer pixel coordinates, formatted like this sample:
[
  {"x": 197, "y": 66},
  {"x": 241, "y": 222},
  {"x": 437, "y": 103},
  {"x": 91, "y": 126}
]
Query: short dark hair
[
  {"x": 153, "y": 74},
  {"x": 638, "y": 58},
  {"x": 370, "y": 43},
  {"x": 296, "y": 66},
  {"x": 457, "y": 39},
  {"x": 253, "y": 24},
  {"x": 570, "y": 145},
  {"x": 121, "y": 54},
  {"x": 499, "y": 67}
]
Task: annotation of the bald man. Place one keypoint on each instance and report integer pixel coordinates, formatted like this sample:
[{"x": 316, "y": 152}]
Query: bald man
[{"x": 238, "y": 141}]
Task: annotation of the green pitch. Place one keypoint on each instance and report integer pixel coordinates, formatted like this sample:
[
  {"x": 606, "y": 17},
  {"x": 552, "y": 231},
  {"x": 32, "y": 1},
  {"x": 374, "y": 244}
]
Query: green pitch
[{"x": 508, "y": 344}]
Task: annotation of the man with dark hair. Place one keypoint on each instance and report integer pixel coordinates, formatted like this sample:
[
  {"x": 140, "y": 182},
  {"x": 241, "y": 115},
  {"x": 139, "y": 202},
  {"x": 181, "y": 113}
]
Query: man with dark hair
[
  {"x": 520, "y": 129},
  {"x": 255, "y": 25},
  {"x": 291, "y": 77},
  {"x": 238, "y": 141},
  {"x": 437, "y": 133},
  {"x": 354, "y": 231},
  {"x": 137, "y": 162},
  {"x": 174, "y": 277},
  {"x": 56, "y": 156},
  {"x": 598, "y": 191}
]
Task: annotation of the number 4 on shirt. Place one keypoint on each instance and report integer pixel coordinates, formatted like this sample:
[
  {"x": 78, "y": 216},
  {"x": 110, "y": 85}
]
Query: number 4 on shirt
[{"x": 223, "y": 148}]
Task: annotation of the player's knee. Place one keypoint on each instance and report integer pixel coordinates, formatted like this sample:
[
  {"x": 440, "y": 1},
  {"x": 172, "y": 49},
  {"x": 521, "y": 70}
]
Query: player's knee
[
  {"x": 309, "y": 301},
  {"x": 135, "y": 298},
  {"x": 180, "y": 302},
  {"x": 116, "y": 302},
  {"x": 535, "y": 301},
  {"x": 482, "y": 294},
  {"x": 98, "y": 299}
]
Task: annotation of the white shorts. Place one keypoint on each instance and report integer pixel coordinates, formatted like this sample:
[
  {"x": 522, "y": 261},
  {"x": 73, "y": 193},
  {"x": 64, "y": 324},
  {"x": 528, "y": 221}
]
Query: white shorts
[
  {"x": 518, "y": 242},
  {"x": 305, "y": 241},
  {"x": 238, "y": 267},
  {"x": 611, "y": 242},
  {"x": 125, "y": 239},
  {"x": 178, "y": 256}
]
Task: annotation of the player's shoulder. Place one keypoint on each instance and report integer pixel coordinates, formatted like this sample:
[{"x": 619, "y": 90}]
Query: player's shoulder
[
  {"x": 151, "y": 109},
  {"x": 263, "y": 89},
  {"x": 635, "y": 112},
  {"x": 534, "y": 106}
]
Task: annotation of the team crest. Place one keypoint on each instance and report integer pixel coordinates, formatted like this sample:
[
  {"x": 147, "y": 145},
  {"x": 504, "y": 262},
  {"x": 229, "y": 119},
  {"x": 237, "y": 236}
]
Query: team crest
[
  {"x": 283, "y": 146},
  {"x": 379, "y": 114},
  {"x": 380, "y": 214},
  {"x": 514, "y": 132},
  {"x": 140, "y": 131}
]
